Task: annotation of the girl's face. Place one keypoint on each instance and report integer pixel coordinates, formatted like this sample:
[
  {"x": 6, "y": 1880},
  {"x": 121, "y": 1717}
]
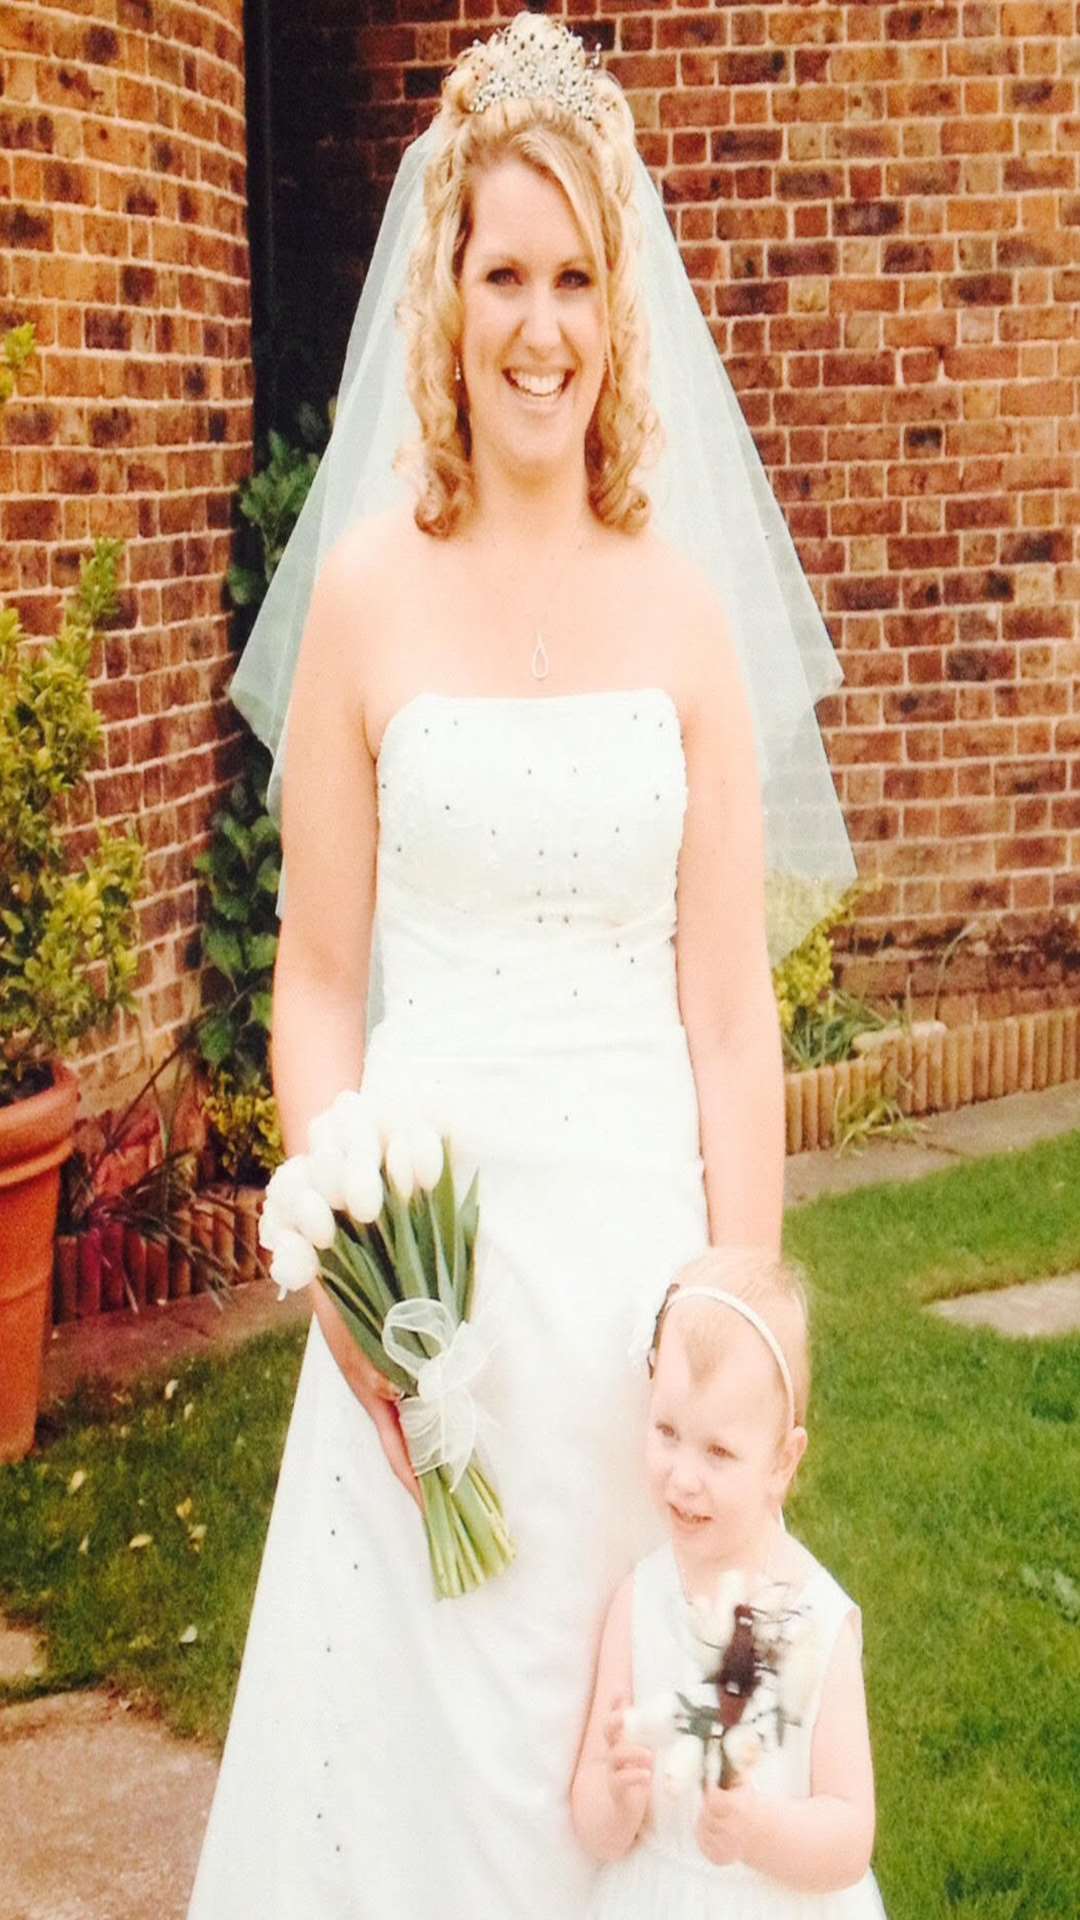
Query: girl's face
[
  {"x": 716, "y": 1464},
  {"x": 532, "y": 346}
]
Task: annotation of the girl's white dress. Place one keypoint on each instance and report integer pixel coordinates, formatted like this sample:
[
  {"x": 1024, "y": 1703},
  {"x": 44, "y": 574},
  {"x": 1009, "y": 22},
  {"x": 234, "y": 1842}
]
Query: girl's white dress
[
  {"x": 391, "y": 1757},
  {"x": 665, "y": 1876}
]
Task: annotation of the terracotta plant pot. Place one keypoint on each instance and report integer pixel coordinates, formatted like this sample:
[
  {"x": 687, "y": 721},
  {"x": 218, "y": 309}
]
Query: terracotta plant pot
[{"x": 36, "y": 1137}]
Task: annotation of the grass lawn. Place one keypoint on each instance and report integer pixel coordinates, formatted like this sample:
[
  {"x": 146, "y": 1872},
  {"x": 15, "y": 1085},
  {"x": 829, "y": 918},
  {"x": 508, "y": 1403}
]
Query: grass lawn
[{"x": 943, "y": 1464}]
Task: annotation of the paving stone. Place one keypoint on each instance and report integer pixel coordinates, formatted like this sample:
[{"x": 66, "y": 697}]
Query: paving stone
[
  {"x": 122, "y": 1346},
  {"x": 1035, "y": 1310},
  {"x": 111, "y": 1811}
]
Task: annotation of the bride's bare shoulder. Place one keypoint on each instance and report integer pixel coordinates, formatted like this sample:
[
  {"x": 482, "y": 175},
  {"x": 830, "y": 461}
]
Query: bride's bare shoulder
[
  {"x": 374, "y": 552},
  {"x": 694, "y": 624},
  {"x": 676, "y": 575}
]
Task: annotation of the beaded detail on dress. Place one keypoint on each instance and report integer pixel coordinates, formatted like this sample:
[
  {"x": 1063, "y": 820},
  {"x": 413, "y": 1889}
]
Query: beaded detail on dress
[{"x": 542, "y": 835}]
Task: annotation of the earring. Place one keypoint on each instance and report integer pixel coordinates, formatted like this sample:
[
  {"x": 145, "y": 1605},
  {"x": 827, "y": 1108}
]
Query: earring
[{"x": 457, "y": 372}]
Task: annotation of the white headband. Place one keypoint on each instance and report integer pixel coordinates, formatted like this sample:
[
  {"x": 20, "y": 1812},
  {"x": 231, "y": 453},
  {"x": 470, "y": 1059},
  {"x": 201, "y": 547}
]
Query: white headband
[{"x": 755, "y": 1320}]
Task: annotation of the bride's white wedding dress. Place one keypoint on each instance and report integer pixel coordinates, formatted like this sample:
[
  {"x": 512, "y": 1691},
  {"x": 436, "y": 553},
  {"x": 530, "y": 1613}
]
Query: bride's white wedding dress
[{"x": 392, "y": 1757}]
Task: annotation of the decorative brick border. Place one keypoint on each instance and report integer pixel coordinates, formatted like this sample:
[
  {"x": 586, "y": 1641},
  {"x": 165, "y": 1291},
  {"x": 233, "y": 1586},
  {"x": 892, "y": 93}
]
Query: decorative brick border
[
  {"x": 939, "y": 1072},
  {"x": 935, "y": 1073},
  {"x": 108, "y": 1268}
]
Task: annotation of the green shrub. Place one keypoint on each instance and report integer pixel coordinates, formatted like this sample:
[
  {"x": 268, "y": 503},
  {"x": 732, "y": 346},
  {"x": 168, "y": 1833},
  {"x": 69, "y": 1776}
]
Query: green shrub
[
  {"x": 68, "y": 931},
  {"x": 818, "y": 1019},
  {"x": 240, "y": 936},
  {"x": 17, "y": 349},
  {"x": 242, "y": 870},
  {"x": 271, "y": 500}
]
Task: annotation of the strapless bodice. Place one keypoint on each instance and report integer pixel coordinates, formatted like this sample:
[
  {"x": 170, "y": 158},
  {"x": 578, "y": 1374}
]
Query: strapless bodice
[{"x": 528, "y": 853}]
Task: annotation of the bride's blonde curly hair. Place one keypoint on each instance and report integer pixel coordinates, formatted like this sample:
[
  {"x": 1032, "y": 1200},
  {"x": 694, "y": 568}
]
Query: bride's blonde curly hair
[{"x": 592, "y": 159}]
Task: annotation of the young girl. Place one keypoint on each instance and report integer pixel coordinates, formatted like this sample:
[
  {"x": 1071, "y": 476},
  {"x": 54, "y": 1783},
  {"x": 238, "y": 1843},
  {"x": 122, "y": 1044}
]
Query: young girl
[{"x": 788, "y": 1836}]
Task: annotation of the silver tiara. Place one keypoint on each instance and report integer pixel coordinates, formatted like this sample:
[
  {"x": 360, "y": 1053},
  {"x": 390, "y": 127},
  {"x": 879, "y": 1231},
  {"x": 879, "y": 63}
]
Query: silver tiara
[{"x": 525, "y": 61}]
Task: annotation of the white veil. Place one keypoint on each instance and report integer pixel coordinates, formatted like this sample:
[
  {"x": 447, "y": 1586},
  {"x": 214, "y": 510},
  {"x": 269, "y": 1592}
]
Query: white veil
[{"x": 711, "y": 497}]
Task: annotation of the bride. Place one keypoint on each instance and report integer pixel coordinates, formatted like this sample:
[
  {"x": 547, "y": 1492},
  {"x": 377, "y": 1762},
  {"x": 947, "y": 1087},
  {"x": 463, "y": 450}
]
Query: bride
[{"x": 523, "y": 766}]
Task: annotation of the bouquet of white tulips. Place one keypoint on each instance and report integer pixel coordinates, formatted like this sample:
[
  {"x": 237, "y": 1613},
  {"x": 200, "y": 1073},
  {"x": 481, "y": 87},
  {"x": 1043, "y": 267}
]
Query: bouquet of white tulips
[
  {"x": 381, "y": 1226},
  {"x": 716, "y": 1733}
]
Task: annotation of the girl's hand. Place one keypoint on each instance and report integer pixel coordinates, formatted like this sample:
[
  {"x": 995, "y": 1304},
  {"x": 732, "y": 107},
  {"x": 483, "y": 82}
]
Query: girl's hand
[
  {"x": 729, "y": 1823},
  {"x": 629, "y": 1768}
]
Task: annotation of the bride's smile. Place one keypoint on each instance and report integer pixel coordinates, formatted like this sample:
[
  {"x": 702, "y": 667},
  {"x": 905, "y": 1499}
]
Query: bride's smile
[{"x": 533, "y": 334}]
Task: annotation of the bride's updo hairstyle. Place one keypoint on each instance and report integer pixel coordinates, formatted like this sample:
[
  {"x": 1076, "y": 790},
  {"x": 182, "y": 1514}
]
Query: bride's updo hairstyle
[{"x": 530, "y": 93}]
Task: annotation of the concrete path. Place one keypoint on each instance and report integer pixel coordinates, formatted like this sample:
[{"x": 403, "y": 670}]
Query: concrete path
[
  {"x": 943, "y": 1139},
  {"x": 111, "y": 1807},
  {"x": 105, "y": 1812},
  {"x": 123, "y": 1346}
]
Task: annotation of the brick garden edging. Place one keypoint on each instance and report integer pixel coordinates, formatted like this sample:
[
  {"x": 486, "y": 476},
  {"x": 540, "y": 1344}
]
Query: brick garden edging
[
  {"x": 937, "y": 1072},
  {"x": 93, "y": 1271},
  {"x": 927, "y": 1073}
]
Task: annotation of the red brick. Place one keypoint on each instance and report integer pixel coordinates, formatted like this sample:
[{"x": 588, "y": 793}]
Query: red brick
[
  {"x": 1034, "y": 850},
  {"x": 921, "y": 23},
  {"x": 858, "y": 594},
  {"x": 36, "y": 520},
  {"x": 923, "y": 552}
]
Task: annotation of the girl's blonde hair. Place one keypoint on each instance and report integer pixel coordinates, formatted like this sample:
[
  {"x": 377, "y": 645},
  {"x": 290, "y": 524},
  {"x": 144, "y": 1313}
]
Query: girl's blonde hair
[
  {"x": 773, "y": 1286},
  {"x": 592, "y": 160}
]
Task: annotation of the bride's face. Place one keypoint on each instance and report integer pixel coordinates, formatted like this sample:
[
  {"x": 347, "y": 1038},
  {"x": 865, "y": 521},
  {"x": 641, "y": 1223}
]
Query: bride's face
[{"x": 532, "y": 347}]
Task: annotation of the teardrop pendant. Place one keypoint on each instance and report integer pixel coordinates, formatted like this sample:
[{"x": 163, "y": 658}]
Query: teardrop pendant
[{"x": 540, "y": 663}]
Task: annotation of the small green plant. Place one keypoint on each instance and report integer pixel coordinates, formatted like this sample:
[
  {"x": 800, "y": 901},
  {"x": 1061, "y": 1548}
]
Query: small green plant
[
  {"x": 68, "y": 931},
  {"x": 271, "y": 502},
  {"x": 18, "y": 349},
  {"x": 873, "y": 1115},
  {"x": 818, "y": 1019},
  {"x": 97, "y": 1192},
  {"x": 242, "y": 870},
  {"x": 246, "y": 1127}
]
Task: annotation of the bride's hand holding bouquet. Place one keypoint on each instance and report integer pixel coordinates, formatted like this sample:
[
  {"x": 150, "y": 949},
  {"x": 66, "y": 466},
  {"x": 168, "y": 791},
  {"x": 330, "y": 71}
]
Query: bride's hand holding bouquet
[{"x": 376, "y": 1219}]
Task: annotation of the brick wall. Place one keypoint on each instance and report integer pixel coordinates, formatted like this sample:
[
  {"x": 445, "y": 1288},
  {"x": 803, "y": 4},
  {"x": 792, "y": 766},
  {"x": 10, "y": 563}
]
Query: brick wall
[
  {"x": 879, "y": 207},
  {"x": 122, "y": 237}
]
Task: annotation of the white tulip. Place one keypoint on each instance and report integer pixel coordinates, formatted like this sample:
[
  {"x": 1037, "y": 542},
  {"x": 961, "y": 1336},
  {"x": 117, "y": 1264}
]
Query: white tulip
[
  {"x": 652, "y": 1724},
  {"x": 742, "y": 1751},
  {"x": 363, "y": 1192},
  {"x": 399, "y": 1164},
  {"x": 326, "y": 1172},
  {"x": 322, "y": 1133},
  {"x": 285, "y": 1186},
  {"x": 314, "y": 1218},
  {"x": 271, "y": 1226},
  {"x": 680, "y": 1768},
  {"x": 427, "y": 1156},
  {"x": 356, "y": 1129},
  {"x": 295, "y": 1263}
]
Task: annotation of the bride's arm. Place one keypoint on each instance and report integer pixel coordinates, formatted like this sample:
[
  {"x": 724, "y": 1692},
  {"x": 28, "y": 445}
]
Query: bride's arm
[
  {"x": 328, "y": 843},
  {"x": 725, "y": 983},
  {"x": 329, "y": 821}
]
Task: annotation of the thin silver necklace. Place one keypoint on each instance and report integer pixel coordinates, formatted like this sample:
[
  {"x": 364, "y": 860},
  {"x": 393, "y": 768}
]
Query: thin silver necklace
[{"x": 539, "y": 663}]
